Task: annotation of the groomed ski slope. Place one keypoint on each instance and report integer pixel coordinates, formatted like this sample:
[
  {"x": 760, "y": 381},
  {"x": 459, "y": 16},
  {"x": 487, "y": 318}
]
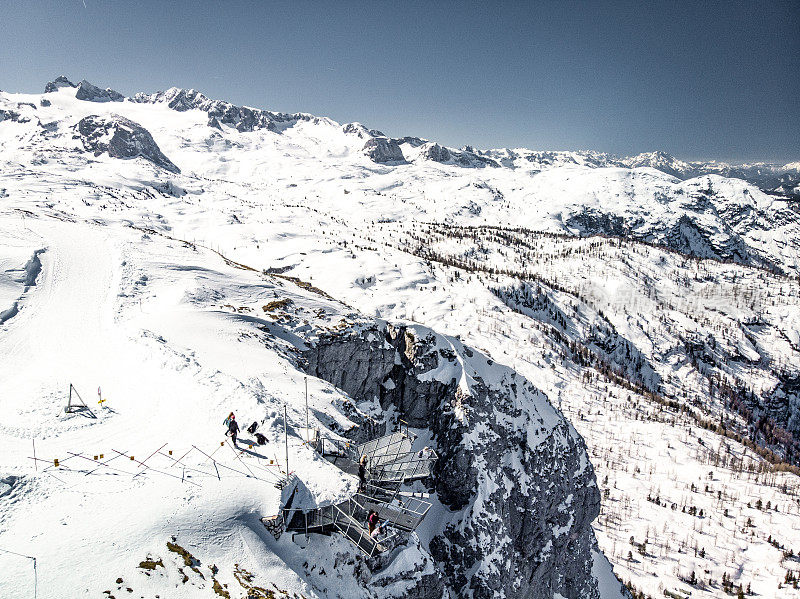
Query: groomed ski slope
[{"x": 138, "y": 319}]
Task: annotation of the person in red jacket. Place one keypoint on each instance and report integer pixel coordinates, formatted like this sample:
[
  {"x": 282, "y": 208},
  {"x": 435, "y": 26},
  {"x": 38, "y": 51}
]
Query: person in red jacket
[{"x": 372, "y": 521}]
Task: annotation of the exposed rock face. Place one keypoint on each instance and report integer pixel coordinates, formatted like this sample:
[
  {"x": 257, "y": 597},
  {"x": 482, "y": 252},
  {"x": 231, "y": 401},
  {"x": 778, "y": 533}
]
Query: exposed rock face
[
  {"x": 9, "y": 115},
  {"x": 467, "y": 157},
  {"x": 244, "y": 119},
  {"x": 704, "y": 224},
  {"x": 92, "y": 93},
  {"x": 361, "y": 131},
  {"x": 422, "y": 581},
  {"x": 514, "y": 470},
  {"x": 436, "y": 153},
  {"x": 121, "y": 138},
  {"x": 783, "y": 404},
  {"x": 383, "y": 149},
  {"x": 410, "y": 140},
  {"x": 57, "y": 84}
]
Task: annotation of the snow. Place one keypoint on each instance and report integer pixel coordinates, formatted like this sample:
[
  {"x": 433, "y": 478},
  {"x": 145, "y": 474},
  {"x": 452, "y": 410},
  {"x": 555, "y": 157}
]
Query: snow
[
  {"x": 137, "y": 294},
  {"x": 607, "y": 582},
  {"x": 158, "y": 350}
]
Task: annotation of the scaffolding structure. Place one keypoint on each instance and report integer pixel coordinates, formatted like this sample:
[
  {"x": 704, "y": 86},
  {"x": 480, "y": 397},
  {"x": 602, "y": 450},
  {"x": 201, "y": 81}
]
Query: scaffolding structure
[{"x": 389, "y": 463}]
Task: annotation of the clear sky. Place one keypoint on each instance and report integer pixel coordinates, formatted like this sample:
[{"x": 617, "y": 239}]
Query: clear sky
[{"x": 697, "y": 79}]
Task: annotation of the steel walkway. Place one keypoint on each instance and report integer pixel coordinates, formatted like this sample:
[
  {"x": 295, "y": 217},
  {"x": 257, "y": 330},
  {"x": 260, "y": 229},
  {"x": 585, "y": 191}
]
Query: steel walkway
[{"x": 390, "y": 463}]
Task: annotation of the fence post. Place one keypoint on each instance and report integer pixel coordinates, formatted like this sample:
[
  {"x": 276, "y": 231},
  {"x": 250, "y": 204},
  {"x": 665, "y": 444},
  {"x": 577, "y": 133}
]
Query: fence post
[
  {"x": 286, "y": 437},
  {"x": 308, "y": 432}
]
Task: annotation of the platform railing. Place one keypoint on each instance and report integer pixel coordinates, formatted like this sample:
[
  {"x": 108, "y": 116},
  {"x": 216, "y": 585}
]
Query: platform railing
[
  {"x": 408, "y": 467},
  {"x": 337, "y": 448}
]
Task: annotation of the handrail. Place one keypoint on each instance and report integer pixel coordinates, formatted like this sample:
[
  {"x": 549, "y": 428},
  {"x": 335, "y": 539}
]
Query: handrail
[
  {"x": 402, "y": 469},
  {"x": 362, "y": 533},
  {"x": 341, "y": 448},
  {"x": 390, "y": 464}
]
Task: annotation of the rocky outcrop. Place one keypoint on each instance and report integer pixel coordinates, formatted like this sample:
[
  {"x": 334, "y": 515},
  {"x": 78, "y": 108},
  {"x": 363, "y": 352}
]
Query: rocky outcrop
[
  {"x": 10, "y": 115},
  {"x": 383, "y": 150},
  {"x": 435, "y": 152},
  {"x": 513, "y": 470},
  {"x": 57, "y": 84},
  {"x": 423, "y": 580},
  {"x": 414, "y": 142},
  {"x": 361, "y": 131},
  {"x": 467, "y": 157},
  {"x": 121, "y": 138},
  {"x": 91, "y": 93},
  {"x": 782, "y": 404},
  {"x": 242, "y": 118}
]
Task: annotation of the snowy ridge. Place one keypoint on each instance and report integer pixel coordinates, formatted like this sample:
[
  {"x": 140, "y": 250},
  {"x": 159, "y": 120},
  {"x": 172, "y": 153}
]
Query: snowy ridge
[
  {"x": 568, "y": 192},
  {"x": 219, "y": 112}
]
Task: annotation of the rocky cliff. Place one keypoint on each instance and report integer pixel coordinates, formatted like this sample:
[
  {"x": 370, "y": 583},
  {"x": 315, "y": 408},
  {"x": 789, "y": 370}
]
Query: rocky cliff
[
  {"x": 513, "y": 471},
  {"x": 383, "y": 149},
  {"x": 121, "y": 138}
]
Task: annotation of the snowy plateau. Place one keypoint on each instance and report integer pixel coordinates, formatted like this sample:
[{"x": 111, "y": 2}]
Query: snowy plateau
[{"x": 603, "y": 352}]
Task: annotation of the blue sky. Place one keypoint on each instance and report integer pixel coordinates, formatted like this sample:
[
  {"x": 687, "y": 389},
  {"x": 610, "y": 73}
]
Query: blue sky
[{"x": 696, "y": 79}]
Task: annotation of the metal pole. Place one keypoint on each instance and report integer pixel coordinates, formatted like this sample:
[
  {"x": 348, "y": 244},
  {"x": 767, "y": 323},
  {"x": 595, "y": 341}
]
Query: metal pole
[
  {"x": 308, "y": 432},
  {"x": 35, "y": 463},
  {"x": 286, "y": 437}
]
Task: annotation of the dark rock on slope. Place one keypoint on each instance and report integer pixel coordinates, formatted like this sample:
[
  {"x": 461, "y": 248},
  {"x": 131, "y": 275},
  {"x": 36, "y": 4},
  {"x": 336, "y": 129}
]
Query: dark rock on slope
[
  {"x": 383, "y": 149},
  {"x": 242, "y": 118},
  {"x": 58, "y": 83},
  {"x": 121, "y": 138},
  {"x": 513, "y": 470},
  {"x": 92, "y": 93}
]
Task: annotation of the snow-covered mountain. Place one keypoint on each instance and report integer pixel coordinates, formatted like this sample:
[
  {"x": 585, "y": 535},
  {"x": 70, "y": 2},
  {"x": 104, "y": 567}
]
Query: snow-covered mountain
[{"x": 576, "y": 334}]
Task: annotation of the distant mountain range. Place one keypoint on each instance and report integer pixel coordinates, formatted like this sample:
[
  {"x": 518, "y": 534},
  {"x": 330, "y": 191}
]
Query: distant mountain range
[{"x": 772, "y": 178}]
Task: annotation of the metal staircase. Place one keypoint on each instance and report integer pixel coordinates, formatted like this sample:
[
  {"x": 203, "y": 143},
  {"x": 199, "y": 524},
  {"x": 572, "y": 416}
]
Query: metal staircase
[{"x": 390, "y": 463}]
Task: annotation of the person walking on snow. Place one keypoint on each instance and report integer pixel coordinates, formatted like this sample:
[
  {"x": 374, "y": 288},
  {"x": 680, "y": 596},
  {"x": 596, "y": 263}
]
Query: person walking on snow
[{"x": 233, "y": 427}]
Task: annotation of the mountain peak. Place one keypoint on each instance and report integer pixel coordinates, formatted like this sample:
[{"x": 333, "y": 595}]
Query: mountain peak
[
  {"x": 92, "y": 93},
  {"x": 58, "y": 83}
]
